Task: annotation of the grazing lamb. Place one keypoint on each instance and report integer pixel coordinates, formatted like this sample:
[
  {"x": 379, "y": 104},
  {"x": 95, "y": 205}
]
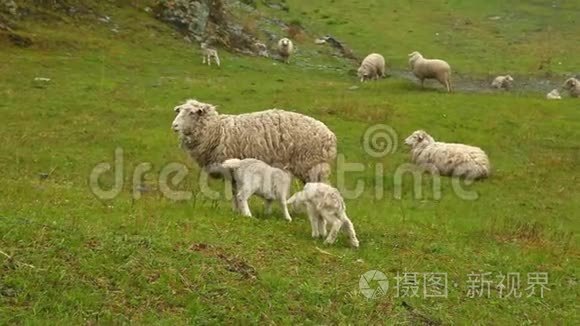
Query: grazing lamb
[
  {"x": 372, "y": 67},
  {"x": 448, "y": 159},
  {"x": 430, "y": 69},
  {"x": 253, "y": 176},
  {"x": 554, "y": 95},
  {"x": 298, "y": 143},
  {"x": 572, "y": 85},
  {"x": 505, "y": 82},
  {"x": 285, "y": 49},
  {"x": 208, "y": 54},
  {"x": 261, "y": 49},
  {"x": 325, "y": 205}
]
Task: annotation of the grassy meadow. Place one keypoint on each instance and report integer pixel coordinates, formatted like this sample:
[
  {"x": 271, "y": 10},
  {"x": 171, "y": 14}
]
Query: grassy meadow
[{"x": 68, "y": 257}]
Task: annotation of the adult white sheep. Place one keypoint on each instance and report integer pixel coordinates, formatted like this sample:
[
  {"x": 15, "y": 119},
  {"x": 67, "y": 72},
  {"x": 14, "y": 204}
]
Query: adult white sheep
[
  {"x": 253, "y": 176},
  {"x": 505, "y": 82},
  {"x": 285, "y": 49},
  {"x": 572, "y": 85},
  {"x": 298, "y": 143},
  {"x": 325, "y": 205},
  {"x": 448, "y": 159},
  {"x": 372, "y": 67},
  {"x": 430, "y": 69},
  {"x": 554, "y": 95}
]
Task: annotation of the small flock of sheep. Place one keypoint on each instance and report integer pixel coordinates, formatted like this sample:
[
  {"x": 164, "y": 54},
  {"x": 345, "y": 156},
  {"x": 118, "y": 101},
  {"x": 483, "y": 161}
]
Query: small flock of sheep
[
  {"x": 260, "y": 153},
  {"x": 373, "y": 67}
]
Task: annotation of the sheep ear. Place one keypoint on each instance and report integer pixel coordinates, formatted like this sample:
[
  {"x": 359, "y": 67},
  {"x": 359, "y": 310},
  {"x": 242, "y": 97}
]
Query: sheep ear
[{"x": 176, "y": 109}]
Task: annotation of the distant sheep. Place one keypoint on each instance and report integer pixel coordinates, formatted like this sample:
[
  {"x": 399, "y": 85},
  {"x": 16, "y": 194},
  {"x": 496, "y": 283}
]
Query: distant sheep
[
  {"x": 372, "y": 67},
  {"x": 430, "y": 69},
  {"x": 448, "y": 159},
  {"x": 253, "y": 176},
  {"x": 325, "y": 205},
  {"x": 554, "y": 95},
  {"x": 208, "y": 54},
  {"x": 285, "y": 49},
  {"x": 572, "y": 85},
  {"x": 505, "y": 82},
  {"x": 298, "y": 143}
]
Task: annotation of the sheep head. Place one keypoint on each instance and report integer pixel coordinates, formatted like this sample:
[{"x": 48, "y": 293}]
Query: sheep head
[
  {"x": 413, "y": 57},
  {"x": 191, "y": 115},
  {"x": 362, "y": 74},
  {"x": 285, "y": 42},
  {"x": 571, "y": 83},
  {"x": 419, "y": 138},
  {"x": 509, "y": 78}
]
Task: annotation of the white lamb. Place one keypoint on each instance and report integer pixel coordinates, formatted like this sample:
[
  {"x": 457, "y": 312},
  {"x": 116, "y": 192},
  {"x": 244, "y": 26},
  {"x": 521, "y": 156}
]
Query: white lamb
[
  {"x": 430, "y": 69},
  {"x": 554, "y": 95},
  {"x": 448, "y": 159},
  {"x": 324, "y": 205},
  {"x": 285, "y": 49},
  {"x": 253, "y": 176},
  {"x": 505, "y": 82},
  {"x": 572, "y": 85},
  {"x": 208, "y": 54},
  {"x": 293, "y": 141},
  {"x": 372, "y": 67}
]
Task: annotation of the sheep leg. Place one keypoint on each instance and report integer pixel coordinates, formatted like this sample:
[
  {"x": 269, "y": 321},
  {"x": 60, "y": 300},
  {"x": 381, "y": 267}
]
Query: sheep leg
[
  {"x": 243, "y": 197},
  {"x": 285, "y": 210},
  {"x": 267, "y": 206},
  {"x": 422, "y": 83},
  {"x": 313, "y": 217},
  {"x": 349, "y": 228},
  {"x": 235, "y": 202},
  {"x": 322, "y": 227},
  {"x": 335, "y": 226},
  {"x": 217, "y": 61},
  {"x": 203, "y": 59}
]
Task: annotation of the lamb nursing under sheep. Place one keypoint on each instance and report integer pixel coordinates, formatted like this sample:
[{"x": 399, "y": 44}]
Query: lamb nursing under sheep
[
  {"x": 505, "y": 82},
  {"x": 325, "y": 205},
  {"x": 208, "y": 54},
  {"x": 253, "y": 176},
  {"x": 448, "y": 159},
  {"x": 372, "y": 67},
  {"x": 554, "y": 95},
  {"x": 572, "y": 85},
  {"x": 285, "y": 49},
  {"x": 430, "y": 69},
  {"x": 298, "y": 143}
]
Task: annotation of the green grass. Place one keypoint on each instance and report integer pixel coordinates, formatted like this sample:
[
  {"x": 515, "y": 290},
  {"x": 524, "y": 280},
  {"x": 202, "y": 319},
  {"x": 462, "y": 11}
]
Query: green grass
[{"x": 77, "y": 259}]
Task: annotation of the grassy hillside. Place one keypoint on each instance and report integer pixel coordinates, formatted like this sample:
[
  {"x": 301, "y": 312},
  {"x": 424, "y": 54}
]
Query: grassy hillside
[{"x": 67, "y": 256}]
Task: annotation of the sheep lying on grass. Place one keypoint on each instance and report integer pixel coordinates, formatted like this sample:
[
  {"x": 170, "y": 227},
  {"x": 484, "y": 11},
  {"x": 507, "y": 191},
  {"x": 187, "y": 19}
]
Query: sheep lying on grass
[
  {"x": 253, "y": 176},
  {"x": 302, "y": 145},
  {"x": 325, "y": 205},
  {"x": 372, "y": 67},
  {"x": 430, "y": 69},
  {"x": 448, "y": 159},
  {"x": 208, "y": 54},
  {"x": 572, "y": 85},
  {"x": 285, "y": 49},
  {"x": 554, "y": 95},
  {"x": 505, "y": 82}
]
